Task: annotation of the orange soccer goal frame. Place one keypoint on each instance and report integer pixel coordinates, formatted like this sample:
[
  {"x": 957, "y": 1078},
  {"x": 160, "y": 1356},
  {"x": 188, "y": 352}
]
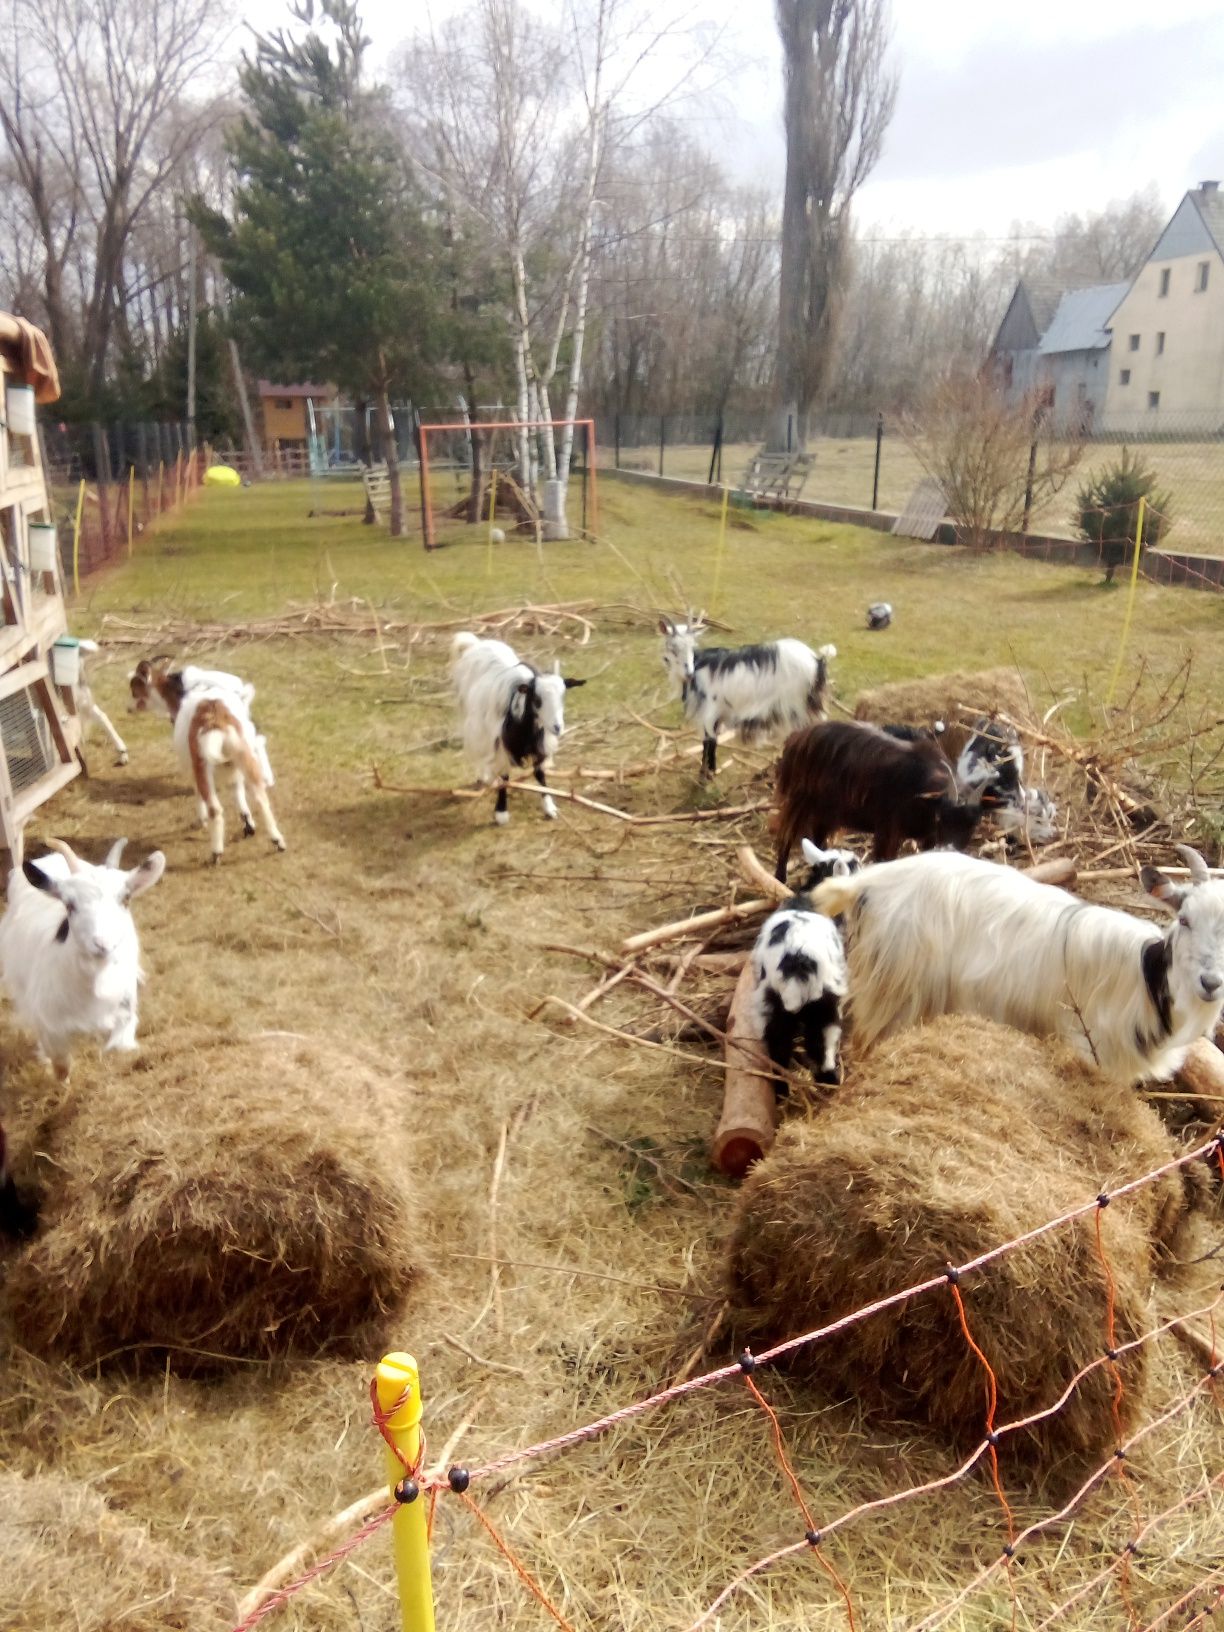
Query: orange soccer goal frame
[{"x": 423, "y": 431}]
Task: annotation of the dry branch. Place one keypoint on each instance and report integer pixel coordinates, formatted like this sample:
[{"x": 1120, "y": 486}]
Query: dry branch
[{"x": 746, "y": 1129}]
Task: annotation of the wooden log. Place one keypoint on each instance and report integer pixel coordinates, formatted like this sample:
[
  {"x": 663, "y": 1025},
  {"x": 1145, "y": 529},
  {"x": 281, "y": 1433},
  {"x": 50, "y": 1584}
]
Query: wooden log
[
  {"x": 759, "y": 876},
  {"x": 1202, "y": 1073},
  {"x": 1058, "y": 870},
  {"x": 695, "y": 926},
  {"x": 746, "y": 1129}
]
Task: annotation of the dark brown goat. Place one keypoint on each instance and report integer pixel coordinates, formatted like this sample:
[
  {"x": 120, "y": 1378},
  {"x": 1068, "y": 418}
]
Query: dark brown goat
[{"x": 843, "y": 775}]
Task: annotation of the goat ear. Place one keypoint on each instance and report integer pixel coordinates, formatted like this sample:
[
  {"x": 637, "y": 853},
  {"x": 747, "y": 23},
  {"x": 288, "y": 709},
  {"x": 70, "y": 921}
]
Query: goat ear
[
  {"x": 524, "y": 687},
  {"x": 666, "y": 627},
  {"x": 34, "y": 875},
  {"x": 1162, "y": 889},
  {"x": 570, "y": 684},
  {"x": 145, "y": 876}
]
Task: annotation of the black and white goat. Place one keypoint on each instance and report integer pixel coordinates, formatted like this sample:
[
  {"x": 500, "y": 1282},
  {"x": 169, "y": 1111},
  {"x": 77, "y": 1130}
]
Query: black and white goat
[
  {"x": 991, "y": 766},
  {"x": 799, "y": 965},
  {"x": 950, "y": 934},
  {"x": 759, "y": 692},
  {"x": 513, "y": 715},
  {"x": 69, "y": 952}
]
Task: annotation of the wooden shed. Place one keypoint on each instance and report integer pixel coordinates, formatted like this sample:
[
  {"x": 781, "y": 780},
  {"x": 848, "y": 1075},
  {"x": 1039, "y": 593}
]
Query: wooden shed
[{"x": 39, "y": 727}]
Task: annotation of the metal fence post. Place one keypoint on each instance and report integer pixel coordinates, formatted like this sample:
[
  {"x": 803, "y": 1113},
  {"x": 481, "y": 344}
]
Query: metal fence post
[
  {"x": 1028, "y": 486},
  {"x": 875, "y": 485},
  {"x": 662, "y": 440},
  {"x": 616, "y": 432},
  {"x": 716, "y": 454}
]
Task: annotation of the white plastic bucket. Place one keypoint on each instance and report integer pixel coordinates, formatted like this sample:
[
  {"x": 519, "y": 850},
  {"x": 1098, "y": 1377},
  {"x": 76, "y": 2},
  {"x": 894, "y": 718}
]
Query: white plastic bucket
[
  {"x": 66, "y": 661},
  {"x": 19, "y": 409},
  {"x": 42, "y": 546}
]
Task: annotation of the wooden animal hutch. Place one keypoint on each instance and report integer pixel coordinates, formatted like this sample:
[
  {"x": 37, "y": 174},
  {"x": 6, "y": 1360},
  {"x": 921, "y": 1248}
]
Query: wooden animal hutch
[{"x": 40, "y": 731}]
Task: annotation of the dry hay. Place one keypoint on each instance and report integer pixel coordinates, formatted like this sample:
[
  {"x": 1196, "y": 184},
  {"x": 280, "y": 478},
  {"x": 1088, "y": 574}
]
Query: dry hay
[
  {"x": 227, "y": 1200},
  {"x": 71, "y": 1561},
  {"x": 947, "y": 1141},
  {"x": 954, "y": 698}
]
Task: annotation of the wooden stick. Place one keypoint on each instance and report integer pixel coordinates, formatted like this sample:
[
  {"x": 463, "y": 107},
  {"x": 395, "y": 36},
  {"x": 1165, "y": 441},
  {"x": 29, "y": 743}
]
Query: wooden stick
[
  {"x": 758, "y": 875},
  {"x": 746, "y": 1129},
  {"x": 696, "y": 925}
]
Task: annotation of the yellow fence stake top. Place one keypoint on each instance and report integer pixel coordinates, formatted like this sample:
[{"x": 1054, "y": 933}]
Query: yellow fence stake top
[{"x": 397, "y": 1389}]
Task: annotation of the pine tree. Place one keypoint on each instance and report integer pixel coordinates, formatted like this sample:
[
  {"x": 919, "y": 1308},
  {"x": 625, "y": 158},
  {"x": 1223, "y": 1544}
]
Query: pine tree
[{"x": 336, "y": 264}]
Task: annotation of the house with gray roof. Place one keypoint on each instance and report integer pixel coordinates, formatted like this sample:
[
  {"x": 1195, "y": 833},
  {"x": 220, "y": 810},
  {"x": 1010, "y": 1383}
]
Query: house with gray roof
[
  {"x": 1144, "y": 357},
  {"x": 1056, "y": 342},
  {"x": 1166, "y": 367}
]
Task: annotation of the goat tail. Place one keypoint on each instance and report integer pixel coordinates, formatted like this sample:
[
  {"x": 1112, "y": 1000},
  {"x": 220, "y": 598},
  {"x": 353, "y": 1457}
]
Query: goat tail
[
  {"x": 838, "y": 895},
  {"x": 462, "y": 642},
  {"x": 827, "y": 652}
]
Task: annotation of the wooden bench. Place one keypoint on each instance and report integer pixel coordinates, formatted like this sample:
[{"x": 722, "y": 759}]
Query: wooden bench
[
  {"x": 777, "y": 476},
  {"x": 377, "y": 483}
]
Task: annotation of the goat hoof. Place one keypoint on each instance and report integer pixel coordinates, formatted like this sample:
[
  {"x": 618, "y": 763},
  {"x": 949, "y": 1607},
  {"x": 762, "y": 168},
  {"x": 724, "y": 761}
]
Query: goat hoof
[
  {"x": 248, "y": 829},
  {"x": 502, "y": 818},
  {"x": 215, "y": 859},
  {"x": 280, "y": 846},
  {"x": 122, "y": 760}
]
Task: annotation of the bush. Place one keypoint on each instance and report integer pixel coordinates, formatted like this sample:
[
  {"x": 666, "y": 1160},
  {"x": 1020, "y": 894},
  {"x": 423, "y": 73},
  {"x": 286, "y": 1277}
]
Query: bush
[{"x": 1107, "y": 511}]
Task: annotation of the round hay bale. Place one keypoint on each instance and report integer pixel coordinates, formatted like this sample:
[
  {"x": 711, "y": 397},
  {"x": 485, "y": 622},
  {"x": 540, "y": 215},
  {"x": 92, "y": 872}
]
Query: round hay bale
[
  {"x": 71, "y": 1561},
  {"x": 224, "y": 1200},
  {"x": 947, "y": 697},
  {"x": 947, "y": 1141}
]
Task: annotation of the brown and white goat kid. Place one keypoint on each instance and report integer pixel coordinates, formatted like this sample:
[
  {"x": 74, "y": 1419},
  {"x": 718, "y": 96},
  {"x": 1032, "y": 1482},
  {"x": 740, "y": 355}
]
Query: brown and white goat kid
[{"x": 213, "y": 728}]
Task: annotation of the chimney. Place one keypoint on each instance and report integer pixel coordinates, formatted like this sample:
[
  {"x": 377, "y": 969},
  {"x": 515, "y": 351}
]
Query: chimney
[{"x": 1209, "y": 186}]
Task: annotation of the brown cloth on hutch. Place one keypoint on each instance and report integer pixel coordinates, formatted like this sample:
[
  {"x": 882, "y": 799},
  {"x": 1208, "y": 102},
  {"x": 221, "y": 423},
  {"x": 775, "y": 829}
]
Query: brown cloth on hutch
[{"x": 28, "y": 350}]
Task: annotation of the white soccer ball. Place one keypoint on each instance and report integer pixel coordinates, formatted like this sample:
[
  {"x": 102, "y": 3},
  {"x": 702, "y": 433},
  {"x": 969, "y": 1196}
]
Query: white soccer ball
[{"x": 496, "y": 536}]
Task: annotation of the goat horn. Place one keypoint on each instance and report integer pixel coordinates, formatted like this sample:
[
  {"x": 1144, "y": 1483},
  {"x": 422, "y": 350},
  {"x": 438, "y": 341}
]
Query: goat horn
[
  {"x": 115, "y": 853},
  {"x": 1199, "y": 872},
  {"x": 68, "y": 853}
]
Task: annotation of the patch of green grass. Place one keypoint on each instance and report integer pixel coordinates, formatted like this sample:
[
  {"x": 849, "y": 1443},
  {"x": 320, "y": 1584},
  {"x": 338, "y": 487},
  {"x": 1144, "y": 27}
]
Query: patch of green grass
[{"x": 248, "y": 553}]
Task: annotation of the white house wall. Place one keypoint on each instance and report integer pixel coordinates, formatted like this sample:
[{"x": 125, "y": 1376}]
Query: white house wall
[{"x": 1189, "y": 373}]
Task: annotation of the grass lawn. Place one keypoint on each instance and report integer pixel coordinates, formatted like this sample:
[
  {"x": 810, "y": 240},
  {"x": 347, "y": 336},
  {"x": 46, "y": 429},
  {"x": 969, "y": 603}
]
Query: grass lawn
[
  {"x": 411, "y": 928},
  {"x": 844, "y": 471}
]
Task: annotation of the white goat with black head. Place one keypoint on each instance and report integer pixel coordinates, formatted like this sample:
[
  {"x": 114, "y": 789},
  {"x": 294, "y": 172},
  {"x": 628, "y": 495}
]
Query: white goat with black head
[
  {"x": 69, "y": 952},
  {"x": 949, "y": 934},
  {"x": 799, "y": 966},
  {"x": 760, "y": 692},
  {"x": 512, "y": 715}
]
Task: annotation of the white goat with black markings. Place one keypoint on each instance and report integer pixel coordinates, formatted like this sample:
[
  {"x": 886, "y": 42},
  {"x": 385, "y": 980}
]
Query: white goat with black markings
[
  {"x": 799, "y": 965},
  {"x": 991, "y": 765},
  {"x": 760, "y": 692},
  {"x": 950, "y": 934},
  {"x": 69, "y": 952},
  {"x": 512, "y": 714}
]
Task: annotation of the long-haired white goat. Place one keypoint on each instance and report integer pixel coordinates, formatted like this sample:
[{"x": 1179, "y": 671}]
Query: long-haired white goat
[
  {"x": 943, "y": 933},
  {"x": 759, "y": 692},
  {"x": 512, "y": 714},
  {"x": 69, "y": 953}
]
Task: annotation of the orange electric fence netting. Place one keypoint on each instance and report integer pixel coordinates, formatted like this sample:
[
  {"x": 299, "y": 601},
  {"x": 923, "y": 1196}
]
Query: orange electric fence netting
[
  {"x": 472, "y": 474},
  {"x": 818, "y": 1531}
]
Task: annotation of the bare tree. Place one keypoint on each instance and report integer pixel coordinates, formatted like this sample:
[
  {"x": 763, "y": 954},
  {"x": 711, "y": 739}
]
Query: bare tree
[
  {"x": 839, "y": 100},
  {"x": 95, "y": 115},
  {"x": 995, "y": 460}
]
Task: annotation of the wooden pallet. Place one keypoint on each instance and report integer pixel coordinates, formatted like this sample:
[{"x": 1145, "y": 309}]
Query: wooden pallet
[
  {"x": 924, "y": 510},
  {"x": 779, "y": 476}
]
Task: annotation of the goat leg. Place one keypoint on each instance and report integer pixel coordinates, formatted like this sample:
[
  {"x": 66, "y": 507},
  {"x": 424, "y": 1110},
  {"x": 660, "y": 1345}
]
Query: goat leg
[
  {"x": 500, "y": 814},
  {"x": 549, "y": 807}
]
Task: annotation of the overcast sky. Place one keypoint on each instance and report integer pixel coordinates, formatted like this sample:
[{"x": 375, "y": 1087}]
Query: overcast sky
[{"x": 1005, "y": 113}]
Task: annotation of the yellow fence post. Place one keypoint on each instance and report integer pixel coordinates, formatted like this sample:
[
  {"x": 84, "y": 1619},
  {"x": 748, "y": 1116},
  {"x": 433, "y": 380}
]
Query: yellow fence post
[
  {"x": 1130, "y": 601},
  {"x": 398, "y": 1387},
  {"x": 178, "y": 479},
  {"x": 131, "y": 501},
  {"x": 76, "y": 540}
]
